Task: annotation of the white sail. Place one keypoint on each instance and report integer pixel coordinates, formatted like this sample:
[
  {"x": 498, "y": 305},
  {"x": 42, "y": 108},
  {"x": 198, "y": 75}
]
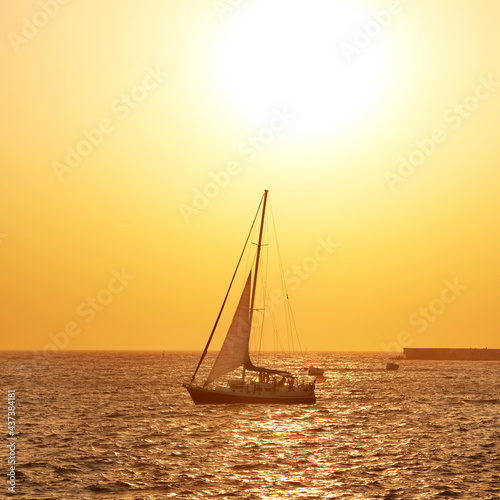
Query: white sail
[{"x": 234, "y": 350}]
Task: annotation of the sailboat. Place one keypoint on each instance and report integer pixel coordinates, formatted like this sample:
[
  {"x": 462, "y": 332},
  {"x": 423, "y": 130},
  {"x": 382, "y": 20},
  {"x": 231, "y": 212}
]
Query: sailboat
[{"x": 256, "y": 384}]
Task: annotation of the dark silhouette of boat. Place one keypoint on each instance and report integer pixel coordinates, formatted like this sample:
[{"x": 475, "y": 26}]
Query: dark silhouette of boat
[
  {"x": 391, "y": 366},
  {"x": 256, "y": 384}
]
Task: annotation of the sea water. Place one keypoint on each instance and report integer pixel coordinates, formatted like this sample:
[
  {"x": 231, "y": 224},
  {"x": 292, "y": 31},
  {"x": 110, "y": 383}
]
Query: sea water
[{"x": 119, "y": 425}]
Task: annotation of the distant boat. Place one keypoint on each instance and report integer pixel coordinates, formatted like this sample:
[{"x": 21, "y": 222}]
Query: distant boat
[
  {"x": 313, "y": 370},
  {"x": 265, "y": 385},
  {"x": 391, "y": 366}
]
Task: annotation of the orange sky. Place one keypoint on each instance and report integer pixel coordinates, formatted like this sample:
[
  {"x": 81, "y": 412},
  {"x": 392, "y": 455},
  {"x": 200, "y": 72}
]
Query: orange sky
[{"x": 138, "y": 138}]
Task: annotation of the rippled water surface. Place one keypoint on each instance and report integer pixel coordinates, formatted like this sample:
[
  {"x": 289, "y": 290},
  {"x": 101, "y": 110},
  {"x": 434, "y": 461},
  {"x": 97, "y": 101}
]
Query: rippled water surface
[{"x": 118, "y": 425}]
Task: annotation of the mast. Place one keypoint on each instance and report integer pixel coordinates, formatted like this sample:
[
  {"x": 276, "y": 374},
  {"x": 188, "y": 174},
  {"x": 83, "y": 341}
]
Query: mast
[
  {"x": 229, "y": 289},
  {"x": 249, "y": 365},
  {"x": 235, "y": 349},
  {"x": 259, "y": 245}
]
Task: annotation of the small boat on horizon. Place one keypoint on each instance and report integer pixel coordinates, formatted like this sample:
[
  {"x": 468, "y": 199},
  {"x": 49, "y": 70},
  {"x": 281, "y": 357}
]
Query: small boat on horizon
[
  {"x": 261, "y": 385},
  {"x": 314, "y": 370}
]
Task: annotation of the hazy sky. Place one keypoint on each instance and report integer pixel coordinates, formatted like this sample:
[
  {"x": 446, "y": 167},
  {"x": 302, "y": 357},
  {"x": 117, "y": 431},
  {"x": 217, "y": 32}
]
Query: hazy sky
[{"x": 138, "y": 138}]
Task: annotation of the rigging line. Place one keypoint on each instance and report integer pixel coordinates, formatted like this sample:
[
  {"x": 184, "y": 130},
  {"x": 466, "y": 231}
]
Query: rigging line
[
  {"x": 294, "y": 329},
  {"x": 277, "y": 248},
  {"x": 255, "y": 337},
  {"x": 277, "y": 344},
  {"x": 257, "y": 260},
  {"x": 263, "y": 280},
  {"x": 290, "y": 320},
  {"x": 258, "y": 323},
  {"x": 250, "y": 260},
  {"x": 277, "y": 341},
  {"x": 227, "y": 294},
  {"x": 260, "y": 337},
  {"x": 257, "y": 328}
]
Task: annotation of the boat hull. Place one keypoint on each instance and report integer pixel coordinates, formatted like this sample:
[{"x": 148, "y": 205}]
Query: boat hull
[{"x": 200, "y": 395}]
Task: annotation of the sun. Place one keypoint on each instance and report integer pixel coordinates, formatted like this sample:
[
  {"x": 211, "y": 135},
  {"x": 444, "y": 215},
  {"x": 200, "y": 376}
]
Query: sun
[{"x": 285, "y": 53}]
